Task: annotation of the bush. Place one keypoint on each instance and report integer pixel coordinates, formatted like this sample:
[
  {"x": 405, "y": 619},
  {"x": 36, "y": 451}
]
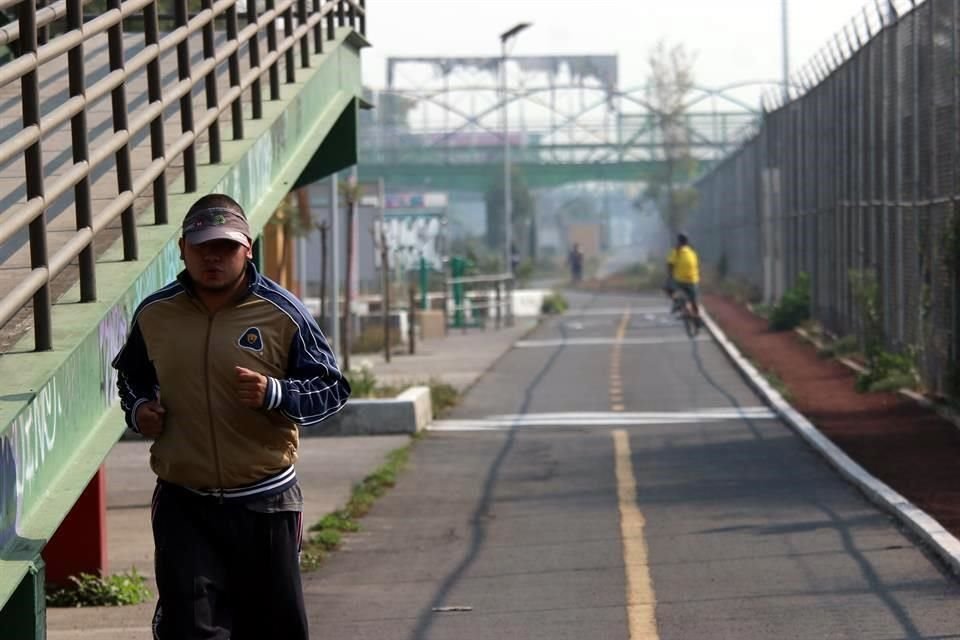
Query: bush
[
  {"x": 90, "y": 590},
  {"x": 794, "y": 307},
  {"x": 553, "y": 303},
  {"x": 887, "y": 372}
]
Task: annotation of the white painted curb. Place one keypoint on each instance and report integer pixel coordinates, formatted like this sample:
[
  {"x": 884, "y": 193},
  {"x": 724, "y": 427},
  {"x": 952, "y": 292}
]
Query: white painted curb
[{"x": 940, "y": 541}]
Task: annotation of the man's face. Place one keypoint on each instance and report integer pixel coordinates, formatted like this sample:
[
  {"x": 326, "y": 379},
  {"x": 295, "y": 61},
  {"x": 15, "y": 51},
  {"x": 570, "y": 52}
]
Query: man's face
[{"x": 215, "y": 265}]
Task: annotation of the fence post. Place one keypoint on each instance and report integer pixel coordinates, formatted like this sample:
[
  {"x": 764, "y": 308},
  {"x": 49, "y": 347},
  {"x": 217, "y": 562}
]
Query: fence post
[{"x": 411, "y": 320}]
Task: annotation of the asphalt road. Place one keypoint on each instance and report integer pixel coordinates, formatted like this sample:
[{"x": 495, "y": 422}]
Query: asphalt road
[{"x": 610, "y": 478}]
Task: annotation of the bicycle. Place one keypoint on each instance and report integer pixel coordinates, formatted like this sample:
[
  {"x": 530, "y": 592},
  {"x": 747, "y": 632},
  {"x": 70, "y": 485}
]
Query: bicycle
[{"x": 682, "y": 305}]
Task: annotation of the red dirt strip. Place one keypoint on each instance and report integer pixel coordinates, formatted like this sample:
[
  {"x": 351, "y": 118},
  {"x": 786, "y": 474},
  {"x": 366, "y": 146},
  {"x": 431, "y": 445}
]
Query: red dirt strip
[{"x": 910, "y": 448}]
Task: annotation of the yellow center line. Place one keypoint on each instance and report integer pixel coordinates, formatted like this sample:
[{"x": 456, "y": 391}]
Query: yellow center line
[
  {"x": 616, "y": 389},
  {"x": 641, "y": 599}
]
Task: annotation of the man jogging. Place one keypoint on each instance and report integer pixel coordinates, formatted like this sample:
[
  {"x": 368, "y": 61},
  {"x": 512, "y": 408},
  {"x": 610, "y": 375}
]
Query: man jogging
[{"x": 221, "y": 369}]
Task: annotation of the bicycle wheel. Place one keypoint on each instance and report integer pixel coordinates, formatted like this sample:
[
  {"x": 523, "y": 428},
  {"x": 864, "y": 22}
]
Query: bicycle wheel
[{"x": 690, "y": 324}]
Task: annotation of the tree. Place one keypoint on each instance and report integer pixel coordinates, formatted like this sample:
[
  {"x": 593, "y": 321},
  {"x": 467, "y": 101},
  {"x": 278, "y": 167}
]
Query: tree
[
  {"x": 523, "y": 208},
  {"x": 671, "y": 81}
]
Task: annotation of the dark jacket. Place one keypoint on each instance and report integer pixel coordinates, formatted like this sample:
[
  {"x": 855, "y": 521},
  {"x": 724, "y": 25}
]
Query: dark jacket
[{"x": 211, "y": 443}]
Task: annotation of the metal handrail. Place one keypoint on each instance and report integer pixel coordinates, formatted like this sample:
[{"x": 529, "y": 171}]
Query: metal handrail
[
  {"x": 502, "y": 290},
  {"x": 33, "y": 51},
  {"x": 498, "y": 277}
]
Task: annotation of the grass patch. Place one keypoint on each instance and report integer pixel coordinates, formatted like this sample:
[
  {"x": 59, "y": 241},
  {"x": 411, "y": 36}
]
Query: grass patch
[
  {"x": 838, "y": 348},
  {"x": 762, "y": 310},
  {"x": 89, "y": 590},
  {"x": 777, "y": 383},
  {"x": 327, "y": 535}
]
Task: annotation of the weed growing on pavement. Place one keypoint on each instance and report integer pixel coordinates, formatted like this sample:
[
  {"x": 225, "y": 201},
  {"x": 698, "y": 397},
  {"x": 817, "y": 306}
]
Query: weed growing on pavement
[
  {"x": 89, "y": 590},
  {"x": 553, "y": 303},
  {"x": 443, "y": 397},
  {"x": 362, "y": 381},
  {"x": 777, "y": 383},
  {"x": 327, "y": 535}
]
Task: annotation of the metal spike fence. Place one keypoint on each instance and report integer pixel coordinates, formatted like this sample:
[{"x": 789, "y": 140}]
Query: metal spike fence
[{"x": 856, "y": 171}]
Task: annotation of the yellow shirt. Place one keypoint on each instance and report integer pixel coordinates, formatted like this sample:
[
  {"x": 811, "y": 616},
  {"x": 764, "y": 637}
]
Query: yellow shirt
[{"x": 686, "y": 265}]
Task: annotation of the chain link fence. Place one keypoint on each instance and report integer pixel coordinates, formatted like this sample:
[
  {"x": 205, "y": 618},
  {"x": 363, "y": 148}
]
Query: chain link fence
[{"x": 859, "y": 173}]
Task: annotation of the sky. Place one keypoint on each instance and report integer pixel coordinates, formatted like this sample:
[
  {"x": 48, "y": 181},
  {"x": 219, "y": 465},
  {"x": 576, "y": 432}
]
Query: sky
[{"x": 733, "y": 40}]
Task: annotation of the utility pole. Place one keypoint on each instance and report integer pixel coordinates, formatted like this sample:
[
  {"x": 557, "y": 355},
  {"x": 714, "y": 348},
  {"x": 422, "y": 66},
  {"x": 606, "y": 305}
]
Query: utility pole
[
  {"x": 785, "y": 31},
  {"x": 323, "y": 227},
  {"x": 335, "y": 262}
]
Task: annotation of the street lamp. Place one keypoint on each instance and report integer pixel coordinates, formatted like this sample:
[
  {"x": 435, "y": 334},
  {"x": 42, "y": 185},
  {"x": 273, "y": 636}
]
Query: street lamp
[{"x": 507, "y": 195}]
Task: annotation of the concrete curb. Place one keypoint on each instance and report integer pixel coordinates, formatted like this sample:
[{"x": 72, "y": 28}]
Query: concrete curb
[{"x": 939, "y": 540}]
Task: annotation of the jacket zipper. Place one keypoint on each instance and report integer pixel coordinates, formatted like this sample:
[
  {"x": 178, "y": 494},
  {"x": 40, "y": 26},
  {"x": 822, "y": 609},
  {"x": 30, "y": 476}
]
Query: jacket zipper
[{"x": 213, "y": 433}]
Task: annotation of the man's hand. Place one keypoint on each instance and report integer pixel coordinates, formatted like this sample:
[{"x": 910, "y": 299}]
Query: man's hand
[
  {"x": 150, "y": 418},
  {"x": 251, "y": 387}
]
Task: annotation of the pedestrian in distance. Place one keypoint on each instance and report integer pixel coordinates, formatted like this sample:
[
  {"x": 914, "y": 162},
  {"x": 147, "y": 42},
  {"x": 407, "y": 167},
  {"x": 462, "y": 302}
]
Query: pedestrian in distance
[
  {"x": 221, "y": 369},
  {"x": 575, "y": 262}
]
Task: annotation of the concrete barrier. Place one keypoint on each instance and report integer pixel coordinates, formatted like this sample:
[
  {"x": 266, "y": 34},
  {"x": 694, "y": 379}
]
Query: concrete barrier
[{"x": 409, "y": 412}]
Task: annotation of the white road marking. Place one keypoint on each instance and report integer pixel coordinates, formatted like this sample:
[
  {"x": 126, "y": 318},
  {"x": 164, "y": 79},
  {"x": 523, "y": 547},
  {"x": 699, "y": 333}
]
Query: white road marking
[
  {"x": 591, "y": 342},
  {"x": 601, "y": 419}
]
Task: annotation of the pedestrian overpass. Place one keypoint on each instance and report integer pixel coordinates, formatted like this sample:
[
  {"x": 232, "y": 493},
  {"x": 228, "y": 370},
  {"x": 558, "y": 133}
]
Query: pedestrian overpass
[{"x": 112, "y": 124}]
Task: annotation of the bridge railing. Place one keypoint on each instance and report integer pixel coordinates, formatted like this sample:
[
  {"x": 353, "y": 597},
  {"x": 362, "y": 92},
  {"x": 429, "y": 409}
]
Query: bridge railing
[{"x": 269, "y": 34}]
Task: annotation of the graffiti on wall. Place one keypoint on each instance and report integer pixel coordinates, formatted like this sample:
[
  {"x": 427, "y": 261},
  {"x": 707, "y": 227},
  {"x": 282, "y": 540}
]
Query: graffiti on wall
[{"x": 410, "y": 237}]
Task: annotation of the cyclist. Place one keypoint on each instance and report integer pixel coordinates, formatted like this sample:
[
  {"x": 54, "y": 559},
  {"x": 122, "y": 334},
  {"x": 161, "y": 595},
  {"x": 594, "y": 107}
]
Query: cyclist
[{"x": 683, "y": 269}]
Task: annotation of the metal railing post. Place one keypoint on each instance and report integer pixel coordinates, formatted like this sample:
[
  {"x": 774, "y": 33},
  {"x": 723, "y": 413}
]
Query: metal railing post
[
  {"x": 124, "y": 169},
  {"x": 81, "y": 155},
  {"x": 210, "y": 85},
  {"x": 186, "y": 104},
  {"x": 151, "y": 32},
  {"x": 290, "y": 54},
  {"x": 305, "y": 40},
  {"x": 269, "y": 6},
  {"x": 33, "y": 158},
  {"x": 256, "y": 90},
  {"x": 233, "y": 65},
  {"x": 317, "y": 29},
  {"x": 331, "y": 31}
]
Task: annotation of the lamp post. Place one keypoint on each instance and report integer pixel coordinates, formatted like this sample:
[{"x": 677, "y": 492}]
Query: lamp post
[{"x": 507, "y": 195}]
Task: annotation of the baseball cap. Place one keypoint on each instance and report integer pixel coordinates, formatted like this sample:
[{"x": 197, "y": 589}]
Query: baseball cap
[{"x": 216, "y": 223}]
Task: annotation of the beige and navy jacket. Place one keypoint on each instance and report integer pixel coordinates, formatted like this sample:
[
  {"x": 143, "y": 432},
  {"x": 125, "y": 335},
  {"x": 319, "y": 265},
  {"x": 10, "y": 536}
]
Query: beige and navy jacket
[{"x": 179, "y": 353}]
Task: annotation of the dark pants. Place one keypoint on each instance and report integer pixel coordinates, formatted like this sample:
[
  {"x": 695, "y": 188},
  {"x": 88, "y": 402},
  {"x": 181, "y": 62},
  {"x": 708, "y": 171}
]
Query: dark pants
[{"x": 224, "y": 571}]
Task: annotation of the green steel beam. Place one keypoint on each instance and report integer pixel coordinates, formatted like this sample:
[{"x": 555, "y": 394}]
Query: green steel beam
[
  {"x": 58, "y": 409},
  {"x": 479, "y": 177}
]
